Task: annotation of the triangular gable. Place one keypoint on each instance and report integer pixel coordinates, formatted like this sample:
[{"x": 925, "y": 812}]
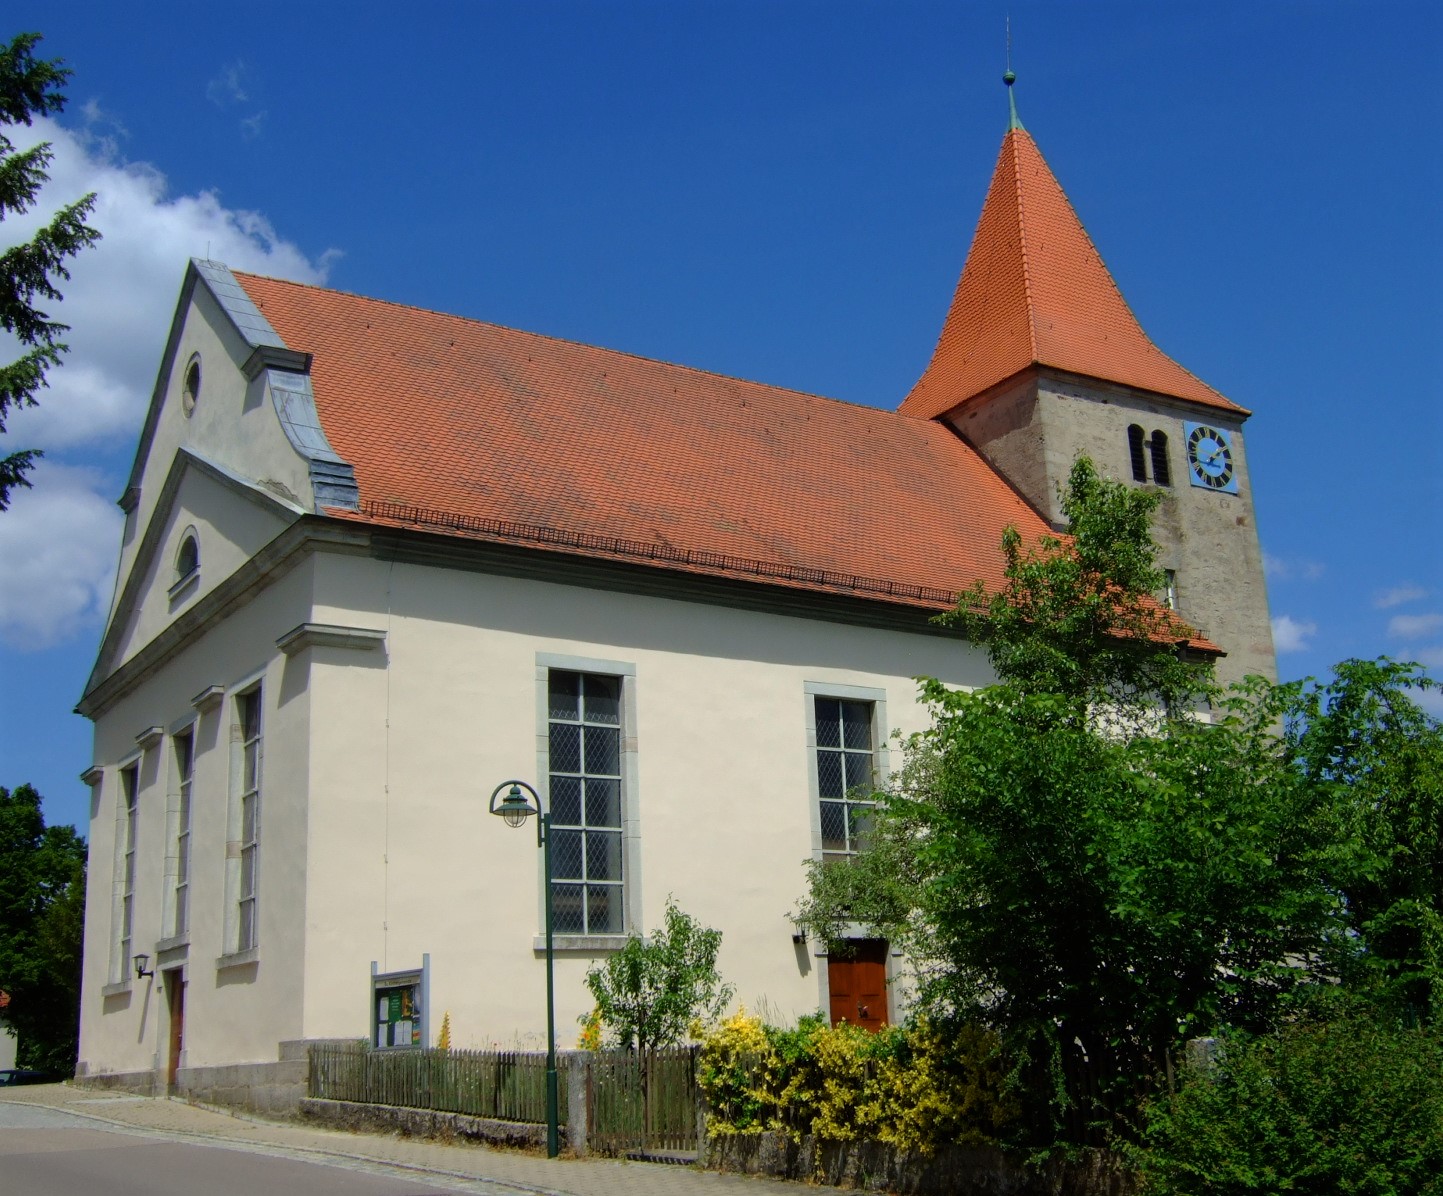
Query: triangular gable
[{"x": 231, "y": 520}]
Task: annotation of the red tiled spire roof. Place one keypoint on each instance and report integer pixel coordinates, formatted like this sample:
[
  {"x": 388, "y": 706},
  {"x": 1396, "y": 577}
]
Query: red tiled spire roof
[
  {"x": 474, "y": 429},
  {"x": 1034, "y": 291}
]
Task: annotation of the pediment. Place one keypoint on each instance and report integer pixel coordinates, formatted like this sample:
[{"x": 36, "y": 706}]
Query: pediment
[{"x": 206, "y": 522}]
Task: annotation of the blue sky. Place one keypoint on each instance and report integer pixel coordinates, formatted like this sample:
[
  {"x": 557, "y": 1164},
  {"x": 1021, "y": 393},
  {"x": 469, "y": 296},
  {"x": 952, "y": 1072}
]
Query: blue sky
[{"x": 780, "y": 191}]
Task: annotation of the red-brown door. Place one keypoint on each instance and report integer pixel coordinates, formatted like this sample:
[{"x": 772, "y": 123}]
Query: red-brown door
[
  {"x": 857, "y": 982},
  {"x": 175, "y": 1000}
]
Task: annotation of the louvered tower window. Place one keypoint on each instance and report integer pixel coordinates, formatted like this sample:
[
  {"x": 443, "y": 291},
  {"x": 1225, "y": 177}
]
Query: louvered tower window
[
  {"x": 1161, "y": 473},
  {"x": 1135, "y": 450}
]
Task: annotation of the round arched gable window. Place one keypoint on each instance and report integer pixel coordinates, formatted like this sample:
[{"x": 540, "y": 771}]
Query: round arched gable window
[
  {"x": 187, "y": 560},
  {"x": 190, "y": 388}
]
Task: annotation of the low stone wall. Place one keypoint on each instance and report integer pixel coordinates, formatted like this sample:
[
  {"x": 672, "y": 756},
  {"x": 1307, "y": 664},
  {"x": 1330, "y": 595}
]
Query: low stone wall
[
  {"x": 952, "y": 1171},
  {"x": 268, "y": 1089},
  {"x": 420, "y": 1123}
]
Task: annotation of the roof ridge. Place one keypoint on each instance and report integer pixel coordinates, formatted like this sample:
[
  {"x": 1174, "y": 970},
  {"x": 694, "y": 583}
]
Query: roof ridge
[
  {"x": 1022, "y": 241},
  {"x": 566, "y": 340}
]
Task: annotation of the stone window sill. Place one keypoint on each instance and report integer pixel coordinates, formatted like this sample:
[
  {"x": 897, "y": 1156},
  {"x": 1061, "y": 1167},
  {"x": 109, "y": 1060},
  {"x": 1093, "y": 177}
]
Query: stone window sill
[
  {"x": 237, "y": 959},
  {"x": 116, "y": 989},
  {"x": 581, "y": 942}
]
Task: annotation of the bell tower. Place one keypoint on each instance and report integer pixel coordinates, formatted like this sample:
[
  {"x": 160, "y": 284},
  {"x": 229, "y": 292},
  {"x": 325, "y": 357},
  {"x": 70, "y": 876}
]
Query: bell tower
[{"x": 1041, "y": 360}]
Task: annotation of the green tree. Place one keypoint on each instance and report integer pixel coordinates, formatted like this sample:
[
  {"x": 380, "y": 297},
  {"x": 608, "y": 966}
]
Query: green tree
[
  {"x": 42, "y": 916},
  {"x": 1074, "y": 859},
  {"x": 1077, "y": 616},
  {"x": 29, "y": 271},
  {"x": 1363, "y": 740},
  {"x": 652, "y": 991}
]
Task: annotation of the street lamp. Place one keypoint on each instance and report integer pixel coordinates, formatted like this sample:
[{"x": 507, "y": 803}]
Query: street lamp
[{"x": 515, "y": 809}]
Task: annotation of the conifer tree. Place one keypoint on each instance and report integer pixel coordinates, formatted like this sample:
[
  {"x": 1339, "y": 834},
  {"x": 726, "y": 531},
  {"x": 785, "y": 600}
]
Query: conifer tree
[{"x": 30, "y": 270}]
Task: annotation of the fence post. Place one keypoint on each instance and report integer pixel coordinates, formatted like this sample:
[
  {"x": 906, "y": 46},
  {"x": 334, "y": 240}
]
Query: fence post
[
  {"x": 578, "y": 1092},
  {"x": 701, "y": 1106}
]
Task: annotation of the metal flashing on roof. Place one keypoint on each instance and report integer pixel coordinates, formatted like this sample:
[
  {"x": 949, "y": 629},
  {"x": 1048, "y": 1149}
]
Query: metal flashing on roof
[{"x": 267, "y": 357}]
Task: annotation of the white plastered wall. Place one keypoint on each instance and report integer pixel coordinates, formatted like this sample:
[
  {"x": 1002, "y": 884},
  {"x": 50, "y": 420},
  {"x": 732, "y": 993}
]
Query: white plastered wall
[
  {"x": 229, "y": 530},
  {"x": 233, "y": 1014},
  {"x": 233, "y": 424},
  {"x": 408, "y": 744}
]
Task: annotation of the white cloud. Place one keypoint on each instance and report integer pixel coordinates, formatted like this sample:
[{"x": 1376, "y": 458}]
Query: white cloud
[
  {"x": 228, "y": 87},
  {"x": 1282, "y": 569},
  {"x": 120, "y": 297},
  {"x": 118, "y": 302},
  {"x": 59, "y": 542},
  {"x": 1414, "y": 627},
  {"x": 1292, "y": 635},
  {"x": 1399, "y": 595}
]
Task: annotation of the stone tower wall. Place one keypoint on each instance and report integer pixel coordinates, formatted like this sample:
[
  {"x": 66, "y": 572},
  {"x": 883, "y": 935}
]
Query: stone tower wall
[{"x": 1033, "y": 429}]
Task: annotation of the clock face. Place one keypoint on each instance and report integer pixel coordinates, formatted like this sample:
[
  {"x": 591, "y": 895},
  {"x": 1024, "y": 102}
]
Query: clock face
[{"x": 1210, "y": 458}]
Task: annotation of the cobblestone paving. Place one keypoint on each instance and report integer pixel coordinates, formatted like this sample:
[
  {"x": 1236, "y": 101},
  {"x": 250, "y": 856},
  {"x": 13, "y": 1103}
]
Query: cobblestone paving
[{"x": 466, "y": 1162}]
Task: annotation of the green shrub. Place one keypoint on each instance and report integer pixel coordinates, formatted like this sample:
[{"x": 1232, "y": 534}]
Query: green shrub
[{"x": 1347, "y": 1104}]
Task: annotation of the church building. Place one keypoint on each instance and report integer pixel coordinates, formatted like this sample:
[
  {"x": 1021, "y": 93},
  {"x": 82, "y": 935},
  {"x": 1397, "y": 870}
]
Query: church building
[{"x": 379, "y": 561}]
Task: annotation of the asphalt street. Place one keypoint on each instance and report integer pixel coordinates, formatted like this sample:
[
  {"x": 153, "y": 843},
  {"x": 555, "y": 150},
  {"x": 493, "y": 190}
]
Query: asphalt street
[{"x": 49, "y": 1152}]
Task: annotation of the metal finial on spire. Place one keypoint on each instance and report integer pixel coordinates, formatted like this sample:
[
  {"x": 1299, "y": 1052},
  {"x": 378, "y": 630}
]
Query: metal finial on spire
[
  {"x": 1012, "y": 120},
  {"x": 1010, "y": 78}
]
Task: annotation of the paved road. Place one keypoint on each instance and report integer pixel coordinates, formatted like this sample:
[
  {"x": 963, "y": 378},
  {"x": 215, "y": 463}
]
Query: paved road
[
  {"x": 50, "y": 1152},
  {"x": 114, "y": 1126}
]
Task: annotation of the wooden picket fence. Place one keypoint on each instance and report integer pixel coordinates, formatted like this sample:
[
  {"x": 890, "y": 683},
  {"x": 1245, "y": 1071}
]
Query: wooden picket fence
[
  {"x": 643, "y": 1104},
  {"x": 635, "y": 1105},
  {"x": 505, "y": 1085}
]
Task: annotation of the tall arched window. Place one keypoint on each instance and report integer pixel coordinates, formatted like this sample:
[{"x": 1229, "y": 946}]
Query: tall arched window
[
  {"x": 1161, "y": 474},
  {"x": 1139, "y": 459}
]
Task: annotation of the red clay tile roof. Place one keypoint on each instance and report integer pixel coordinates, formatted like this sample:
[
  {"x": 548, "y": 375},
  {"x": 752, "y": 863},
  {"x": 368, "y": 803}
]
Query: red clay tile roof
[
  {"x": 475, "y": 429},
  {"x": 1035, "y": 291}
]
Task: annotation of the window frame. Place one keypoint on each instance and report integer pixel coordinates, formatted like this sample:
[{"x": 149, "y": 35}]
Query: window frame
[
  {"x": 180, "y": 837},
  {"x": 235, "y": 951},
  {"x": 127, "y": 838},
  {"x": 625, "y": 673},
  {"x": 251, "y": 751},
  {"x": 837, "y": 691}
]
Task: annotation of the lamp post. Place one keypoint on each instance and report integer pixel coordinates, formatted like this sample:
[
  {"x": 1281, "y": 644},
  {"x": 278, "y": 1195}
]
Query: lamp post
[{"x": 515, "y": 809}]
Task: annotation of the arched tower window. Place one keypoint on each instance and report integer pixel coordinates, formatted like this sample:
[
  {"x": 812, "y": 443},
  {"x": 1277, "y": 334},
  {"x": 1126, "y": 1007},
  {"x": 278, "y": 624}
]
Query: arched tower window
[
  {"x": 1161, "y": 474},
  {"x": 1139, "y": 459},
  {"x": 187, "y": 560}
]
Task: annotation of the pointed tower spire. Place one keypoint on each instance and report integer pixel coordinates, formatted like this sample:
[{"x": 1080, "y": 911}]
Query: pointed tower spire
[{"x": 1035, "y": 292}]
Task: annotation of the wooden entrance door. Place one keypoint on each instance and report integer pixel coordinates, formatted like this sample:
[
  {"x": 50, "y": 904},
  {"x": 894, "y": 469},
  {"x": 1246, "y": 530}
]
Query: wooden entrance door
[
  {"x": 175, "y": 1001},
  {"x": 857, "y": 983}
]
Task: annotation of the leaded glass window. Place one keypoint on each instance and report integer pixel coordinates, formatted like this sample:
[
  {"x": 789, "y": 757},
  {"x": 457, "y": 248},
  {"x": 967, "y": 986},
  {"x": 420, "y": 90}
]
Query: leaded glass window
[
  {"x": 249, "y": 711},
  {"x": 846, "y": 773},
  {"x": 185, "y": 767},
  {"x": 584, "y": 740},
  {"x": 130, "y": 796}
]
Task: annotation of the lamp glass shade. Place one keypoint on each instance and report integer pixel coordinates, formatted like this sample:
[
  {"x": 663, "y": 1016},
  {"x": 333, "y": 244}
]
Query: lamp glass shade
[
  {"x": 141, "y": 963},
  {"x": 514, "y": 808}
]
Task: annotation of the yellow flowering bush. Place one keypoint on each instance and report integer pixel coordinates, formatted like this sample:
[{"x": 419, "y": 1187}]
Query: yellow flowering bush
[
  {"x": 590, "y": 1037},
  {"x": 916, "y": 1088}
]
